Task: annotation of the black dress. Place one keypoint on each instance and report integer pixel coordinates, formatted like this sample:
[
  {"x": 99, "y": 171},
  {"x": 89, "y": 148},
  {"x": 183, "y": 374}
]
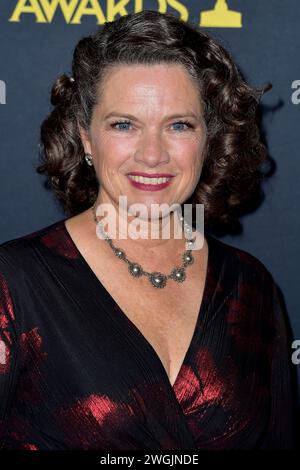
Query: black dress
[{"x": 76, "y": 373}]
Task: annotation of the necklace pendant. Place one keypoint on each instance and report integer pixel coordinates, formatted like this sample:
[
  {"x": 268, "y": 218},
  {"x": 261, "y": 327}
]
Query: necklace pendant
[
  {"x": 135, "y": 269},
  {"x": 187, "y": 258},
  {"x": 190, "y": 244},
  {"x": 158, "y": 280},
  {"x": 119, "y": 253},
  {"x": 178, "y": 274}
]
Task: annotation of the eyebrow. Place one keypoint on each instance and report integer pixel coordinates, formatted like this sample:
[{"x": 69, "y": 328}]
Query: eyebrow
[{"x": 170, "y": 116}]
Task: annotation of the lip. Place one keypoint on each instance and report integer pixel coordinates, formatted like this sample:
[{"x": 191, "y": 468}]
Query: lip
[
  {"x": 148, "y": 187},
  {"x": 151, "y": 175}
]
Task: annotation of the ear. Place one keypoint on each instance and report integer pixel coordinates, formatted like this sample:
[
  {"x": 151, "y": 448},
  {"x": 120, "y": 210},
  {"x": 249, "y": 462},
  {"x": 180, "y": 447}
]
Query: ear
[{"x": 85, "y": 139}]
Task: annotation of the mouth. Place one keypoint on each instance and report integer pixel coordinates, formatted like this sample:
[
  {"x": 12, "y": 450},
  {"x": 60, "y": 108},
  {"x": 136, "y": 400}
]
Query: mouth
[{"x": 147, "y": 183}]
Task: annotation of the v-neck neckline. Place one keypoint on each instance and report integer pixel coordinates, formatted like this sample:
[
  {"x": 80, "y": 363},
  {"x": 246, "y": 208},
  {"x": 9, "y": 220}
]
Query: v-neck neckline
[{"x": 207, "y": 291}]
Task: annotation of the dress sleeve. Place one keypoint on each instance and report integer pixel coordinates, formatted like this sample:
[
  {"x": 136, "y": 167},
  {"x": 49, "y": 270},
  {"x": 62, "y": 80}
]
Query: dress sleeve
[
  {"x": 281, "y": 430},
  {"x": 8, "y": 356}
]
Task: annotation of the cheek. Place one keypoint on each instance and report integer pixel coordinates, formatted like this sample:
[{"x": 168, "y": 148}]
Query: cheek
[
  {"x": 112, "y": 153},
  {"x": 118, "y": 144},
  {"x": 188, "y": 155},
  {"x": 104, "y": 143},
  {"x": 187, "y": 145}
]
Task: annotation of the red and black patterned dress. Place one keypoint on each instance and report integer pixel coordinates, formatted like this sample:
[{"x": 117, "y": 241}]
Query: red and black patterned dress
[{"x": 76, "y": 373}]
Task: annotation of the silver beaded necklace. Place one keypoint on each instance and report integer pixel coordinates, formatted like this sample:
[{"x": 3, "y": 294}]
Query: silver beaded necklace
[{"x": 156, "y": 278}]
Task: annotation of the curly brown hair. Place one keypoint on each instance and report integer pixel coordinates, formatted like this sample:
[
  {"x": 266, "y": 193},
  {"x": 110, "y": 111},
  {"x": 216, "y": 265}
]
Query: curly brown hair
[{"x": 232, "y": 168}]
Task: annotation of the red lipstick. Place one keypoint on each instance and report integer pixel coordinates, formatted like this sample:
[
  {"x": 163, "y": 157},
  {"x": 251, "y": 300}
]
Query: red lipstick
[
  {"x": 150, "y": 187},
  {"x": 150, "y": 175}
]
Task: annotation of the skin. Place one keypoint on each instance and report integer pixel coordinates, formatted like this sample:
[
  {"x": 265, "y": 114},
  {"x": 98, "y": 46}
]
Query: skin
[{"x": 152, "y": 142}]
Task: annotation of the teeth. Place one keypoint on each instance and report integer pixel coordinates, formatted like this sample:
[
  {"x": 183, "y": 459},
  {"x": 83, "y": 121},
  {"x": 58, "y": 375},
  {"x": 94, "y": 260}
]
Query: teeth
[{"x": 144, "y": 180}]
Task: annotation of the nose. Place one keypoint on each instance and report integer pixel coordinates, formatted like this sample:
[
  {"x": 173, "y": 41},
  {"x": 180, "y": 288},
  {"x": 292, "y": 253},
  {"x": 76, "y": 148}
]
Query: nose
[{"x": 151, "y": 149}]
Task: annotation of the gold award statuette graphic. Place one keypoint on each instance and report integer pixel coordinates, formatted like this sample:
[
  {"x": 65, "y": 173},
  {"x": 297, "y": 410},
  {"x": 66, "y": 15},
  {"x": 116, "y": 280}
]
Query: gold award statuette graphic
[{"x": 221, "y": 17}]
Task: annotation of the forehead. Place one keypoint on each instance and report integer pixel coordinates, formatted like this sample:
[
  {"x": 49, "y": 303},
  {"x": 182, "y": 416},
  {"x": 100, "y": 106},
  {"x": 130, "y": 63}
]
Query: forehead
[{"x": 157, "y": 83}]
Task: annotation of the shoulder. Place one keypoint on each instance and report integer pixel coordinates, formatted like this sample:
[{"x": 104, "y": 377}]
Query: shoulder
[
  {"x": 253, "y": 298},
  {"x": 245, "y": 264},
  {"x": 16, "y": 253}
]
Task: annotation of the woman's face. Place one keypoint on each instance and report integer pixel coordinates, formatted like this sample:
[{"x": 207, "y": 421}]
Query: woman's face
[{"x": 149, "y": 120}]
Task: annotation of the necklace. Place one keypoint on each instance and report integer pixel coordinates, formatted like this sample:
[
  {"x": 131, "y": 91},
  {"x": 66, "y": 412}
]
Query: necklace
[{"x": 157, "y": 279}]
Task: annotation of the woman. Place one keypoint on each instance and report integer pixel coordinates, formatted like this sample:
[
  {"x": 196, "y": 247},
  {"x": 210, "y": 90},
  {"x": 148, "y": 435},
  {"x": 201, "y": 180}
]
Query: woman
[{"x": 99, "y": 352}]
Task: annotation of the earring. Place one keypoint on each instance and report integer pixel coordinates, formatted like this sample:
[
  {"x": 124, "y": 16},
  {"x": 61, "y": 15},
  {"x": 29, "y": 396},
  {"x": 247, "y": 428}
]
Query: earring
[{"x": 89, "y": 159}]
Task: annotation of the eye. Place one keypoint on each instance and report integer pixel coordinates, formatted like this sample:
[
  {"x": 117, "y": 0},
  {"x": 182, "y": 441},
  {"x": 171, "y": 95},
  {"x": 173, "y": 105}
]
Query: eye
[
  {"x": 123, "y": 125},
  {"x": 181, "y": 124}
]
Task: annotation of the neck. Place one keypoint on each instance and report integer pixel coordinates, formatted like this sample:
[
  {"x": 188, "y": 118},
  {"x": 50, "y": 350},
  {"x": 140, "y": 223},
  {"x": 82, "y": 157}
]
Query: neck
[{"x": 154, "y": 237}]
